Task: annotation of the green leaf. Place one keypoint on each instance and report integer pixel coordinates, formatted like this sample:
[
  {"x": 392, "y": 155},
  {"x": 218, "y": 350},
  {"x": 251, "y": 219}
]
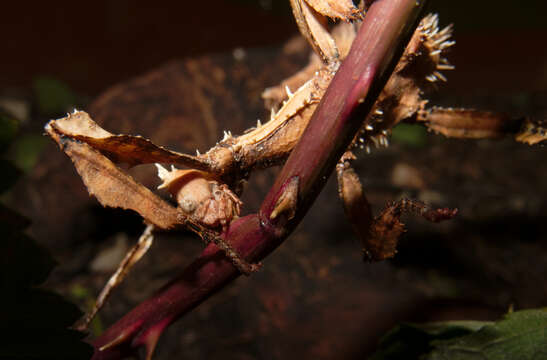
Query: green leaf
[
  {"x": 411, "y": 341},
  {"x": 26, "y": 150},
  {"x": 521, "y": 335}
]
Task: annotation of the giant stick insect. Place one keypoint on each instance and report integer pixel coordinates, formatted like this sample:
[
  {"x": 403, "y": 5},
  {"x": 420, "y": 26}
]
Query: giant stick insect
[{"x": 207, "y": 190}]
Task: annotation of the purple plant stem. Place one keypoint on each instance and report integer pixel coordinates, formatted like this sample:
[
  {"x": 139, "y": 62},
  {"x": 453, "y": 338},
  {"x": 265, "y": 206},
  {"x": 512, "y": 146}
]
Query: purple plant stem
[{"x": 350, "y": 96}]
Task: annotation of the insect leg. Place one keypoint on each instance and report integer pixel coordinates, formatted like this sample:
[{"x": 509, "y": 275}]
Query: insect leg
[
  {"x": 131, "y": 258},
  {"x": 379, "y": 235}
]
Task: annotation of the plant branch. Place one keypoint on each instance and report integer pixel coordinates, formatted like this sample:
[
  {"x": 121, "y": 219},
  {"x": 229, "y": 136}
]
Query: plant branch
[{"x": 350, "y": 96}]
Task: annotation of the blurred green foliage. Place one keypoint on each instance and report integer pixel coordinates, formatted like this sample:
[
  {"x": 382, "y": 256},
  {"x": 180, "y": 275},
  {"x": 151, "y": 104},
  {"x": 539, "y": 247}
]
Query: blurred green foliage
[
  {"x": 53, "y": 97},
  {"x": 411, "y": 135},
  {"x": 8, "y": 129},
  {"x": 78, "y": 292},
  {"x": 25, "y": 150},
  {"x": 520, "y": 335}
]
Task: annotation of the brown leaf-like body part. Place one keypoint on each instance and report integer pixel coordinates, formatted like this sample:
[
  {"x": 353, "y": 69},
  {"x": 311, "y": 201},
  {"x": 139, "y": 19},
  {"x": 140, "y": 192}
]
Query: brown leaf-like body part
[
  {"x": 128, "y": 149},
  {"x": 401, "y": 97},
  {"x": 274, "y": 95},
  {"x": 418, "y": 68},
  {"x": 111, "y": 186},
  {"x": 350, "y": 190},
  {"x": 379, "y": 235},
  {"x": 468, "y": 123},
  {"x": 532, "y": 132},
  {"x": 383, "y": 236},
  {"x": 313, "y": 27},
  {"x": 270, "y": 143},
  {"x": 343, "y": 35},
  {"x": 336, "y": 9},
  {"x": 114, "y": 188}
]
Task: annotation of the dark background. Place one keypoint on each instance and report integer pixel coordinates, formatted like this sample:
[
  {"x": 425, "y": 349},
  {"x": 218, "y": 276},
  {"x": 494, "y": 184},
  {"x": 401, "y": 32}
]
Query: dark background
[
  {"x": 97, "y": 45},
  {"x": 314, "y": 298}
]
